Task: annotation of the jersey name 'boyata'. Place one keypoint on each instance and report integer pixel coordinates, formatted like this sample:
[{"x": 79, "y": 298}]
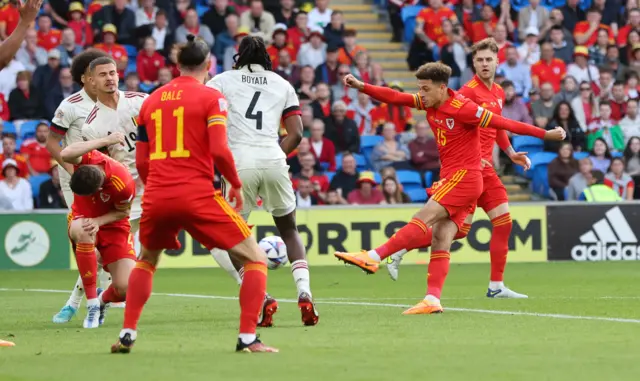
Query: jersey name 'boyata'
[{"x": 254, "y": 80}]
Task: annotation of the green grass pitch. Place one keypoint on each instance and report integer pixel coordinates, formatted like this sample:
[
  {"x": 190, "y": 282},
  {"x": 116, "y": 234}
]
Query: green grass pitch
[{"x": 582, "y": 322}]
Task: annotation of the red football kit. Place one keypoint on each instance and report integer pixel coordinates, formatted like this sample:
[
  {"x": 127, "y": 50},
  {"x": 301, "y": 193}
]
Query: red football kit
[
  {"x": 583, "y": 27},
  {"x": 552, "y": 72},
  {"x": 432, "y": 21},
  {"x": 493, "y": 191},
  {"x": 455, "y": 125},
  {"x": 181, "y": 125},
  {"x": 113, "y": 240}
]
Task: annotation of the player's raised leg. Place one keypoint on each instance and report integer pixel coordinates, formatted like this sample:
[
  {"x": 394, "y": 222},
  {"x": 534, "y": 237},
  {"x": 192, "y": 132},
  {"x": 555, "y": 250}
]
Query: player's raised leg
[
  {"x": 411, "y": 236},
  {"x": 87, "y": 262}
]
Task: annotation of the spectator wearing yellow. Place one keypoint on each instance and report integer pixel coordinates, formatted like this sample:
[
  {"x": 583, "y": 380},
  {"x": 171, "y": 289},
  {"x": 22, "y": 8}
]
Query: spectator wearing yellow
[{"x": 366, "y": 192}]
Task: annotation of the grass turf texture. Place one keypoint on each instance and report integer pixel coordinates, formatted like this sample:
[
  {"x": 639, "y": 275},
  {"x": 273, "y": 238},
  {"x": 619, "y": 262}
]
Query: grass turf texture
[{"x": 192, "y": 338}]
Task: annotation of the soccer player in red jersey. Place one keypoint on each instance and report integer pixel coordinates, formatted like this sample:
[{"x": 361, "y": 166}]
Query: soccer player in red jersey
[
  {"x": 454, "y": 120},
  {"x": 494, "y": 199},
  {"x": 182, "y": 127},
  {"x": 103, "y": 190}
]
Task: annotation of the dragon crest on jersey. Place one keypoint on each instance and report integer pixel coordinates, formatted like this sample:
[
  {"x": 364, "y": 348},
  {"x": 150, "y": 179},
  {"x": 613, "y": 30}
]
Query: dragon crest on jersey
[
  {"x": 450, "y": 123},
  {"x": 104, "y": 197}
]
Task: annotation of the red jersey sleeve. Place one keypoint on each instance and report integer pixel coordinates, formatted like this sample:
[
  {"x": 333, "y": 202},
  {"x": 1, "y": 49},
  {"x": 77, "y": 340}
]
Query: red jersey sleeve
[
  {"x": 217, "y": 130},
  {"x": 123, "y": 195},
  {"x": 474, "y": 115},
  {"x": 390, "y": 96}
]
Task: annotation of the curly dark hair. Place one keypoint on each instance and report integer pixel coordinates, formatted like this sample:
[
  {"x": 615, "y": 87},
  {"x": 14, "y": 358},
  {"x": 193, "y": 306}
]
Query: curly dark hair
[{"x": 81, "y": 63}]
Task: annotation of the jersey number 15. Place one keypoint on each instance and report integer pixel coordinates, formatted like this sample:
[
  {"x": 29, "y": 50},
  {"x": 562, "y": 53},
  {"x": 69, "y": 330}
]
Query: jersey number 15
[{"x": 179, "y": 152}]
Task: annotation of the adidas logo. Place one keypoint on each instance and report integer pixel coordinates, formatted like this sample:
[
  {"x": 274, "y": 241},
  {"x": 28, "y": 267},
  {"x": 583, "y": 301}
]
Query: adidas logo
[{"x": 610, "y": 239}]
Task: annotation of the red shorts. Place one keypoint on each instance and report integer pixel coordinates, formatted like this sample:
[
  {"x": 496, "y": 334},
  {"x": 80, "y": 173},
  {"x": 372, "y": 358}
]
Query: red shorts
[
  {"x": 494, "y": 192},
  {"x": 458, "y": 194},
  {"x": 212, "y": 222},
  {"x": 113, "y": 242}
]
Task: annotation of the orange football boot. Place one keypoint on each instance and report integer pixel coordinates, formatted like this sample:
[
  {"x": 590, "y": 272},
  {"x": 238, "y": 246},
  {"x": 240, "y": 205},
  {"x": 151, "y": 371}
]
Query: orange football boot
[
  {"x": 360, "y": 259},
  {"x": 425, "y": 307}
]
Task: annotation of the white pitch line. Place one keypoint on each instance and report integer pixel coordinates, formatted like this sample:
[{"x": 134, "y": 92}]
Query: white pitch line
[{"x": 368, "y": 304}]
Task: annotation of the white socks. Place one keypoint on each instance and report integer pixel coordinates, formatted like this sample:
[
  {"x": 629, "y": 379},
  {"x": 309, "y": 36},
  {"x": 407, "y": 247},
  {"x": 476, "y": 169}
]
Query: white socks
[
  {"x": 432, "y": 299},
  {"x": 223, "y": 260},
  {"x": 76, "y": 295},
  {"x": 93, "y": 302},
  {"x": 496, "y": 285},
  {"x": 247, "y": 338},
  {"x": 133, "y": 333},
  {"x": 300, "y": 272},
  {"x": 373, "y": 255},
  {"x": 104, "y": 278}
]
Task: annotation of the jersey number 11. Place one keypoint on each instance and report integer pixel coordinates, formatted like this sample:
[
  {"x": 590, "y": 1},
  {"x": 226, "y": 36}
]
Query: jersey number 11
[{"x": 179, "y": 152}]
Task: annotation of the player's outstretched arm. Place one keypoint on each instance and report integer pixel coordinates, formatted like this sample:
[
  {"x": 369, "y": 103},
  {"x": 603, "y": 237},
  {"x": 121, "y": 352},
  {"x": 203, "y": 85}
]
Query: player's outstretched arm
[
  {"x": 28, "y": 11},
  {"x": 73, "y": 153},
  {"x": 383, "y": 94}
]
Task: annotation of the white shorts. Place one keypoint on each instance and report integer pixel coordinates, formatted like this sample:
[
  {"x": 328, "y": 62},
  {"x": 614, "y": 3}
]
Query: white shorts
[
  {"x": 65, "y": 178},
  {"x": 272, "y": 185},
  {"x": 136, "y": 208}
]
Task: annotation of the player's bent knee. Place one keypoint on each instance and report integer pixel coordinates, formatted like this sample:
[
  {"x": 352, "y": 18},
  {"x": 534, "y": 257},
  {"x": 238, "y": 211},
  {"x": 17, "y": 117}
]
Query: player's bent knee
[
  {"x": 248, "y": 251},
  {"x": 79, "y": 235}
]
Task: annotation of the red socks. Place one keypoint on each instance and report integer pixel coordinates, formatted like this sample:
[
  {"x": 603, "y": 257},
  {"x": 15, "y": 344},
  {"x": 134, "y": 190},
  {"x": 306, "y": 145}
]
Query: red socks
[
  {"x": 420, "y": 241},
  {"x": 252, "y": 291},
  {"x": 437, "y": 272},
  {"x": 139, "y": 291},
  {"x": 88, "y": 268},
  {"x": 499, "y": 246},
  {"x": 409, "y": 237},
  {"x": 111, "y": 295}
]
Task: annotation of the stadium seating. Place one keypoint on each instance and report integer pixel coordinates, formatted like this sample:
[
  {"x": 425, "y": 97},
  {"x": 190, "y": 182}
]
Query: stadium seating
[
  {"x": 409, "y": 18},
  {"x": 580, "y": 155},
  {"x": 330, "y": 175},
  {"x": 539, "y": 176},
  {"x": 410, "y": 180},
  {"x": 132, "y": 52},
  {"x": 35, "y": 182},
  {"x": 18, "y": 145},
  {"x": 146, "y": 88},
  {"x": 428, "y": 178},
  {"x": 416, "y": 194},
  {"x": 28, "y": 129},
  {"x": 8, "y": 127},
  {"x": 527, "y": 144},
  {"x": 201, "y": 9},
  {"x": 132, "y": 67}
]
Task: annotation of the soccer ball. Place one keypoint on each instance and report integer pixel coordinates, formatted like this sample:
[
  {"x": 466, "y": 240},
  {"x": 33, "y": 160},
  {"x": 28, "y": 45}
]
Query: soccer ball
[{"x": 276, "y": 251}]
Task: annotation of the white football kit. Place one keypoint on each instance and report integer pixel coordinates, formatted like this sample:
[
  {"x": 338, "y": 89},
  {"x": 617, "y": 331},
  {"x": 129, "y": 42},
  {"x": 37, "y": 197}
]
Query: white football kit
[
  {"x": 104, "y": 120},
  {"x": 258, "y": 101},
  {"x": 68, "y": 121}
]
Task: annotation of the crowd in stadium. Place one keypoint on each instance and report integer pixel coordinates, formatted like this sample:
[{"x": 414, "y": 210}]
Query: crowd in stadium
[{"x": 575, "y": 64}]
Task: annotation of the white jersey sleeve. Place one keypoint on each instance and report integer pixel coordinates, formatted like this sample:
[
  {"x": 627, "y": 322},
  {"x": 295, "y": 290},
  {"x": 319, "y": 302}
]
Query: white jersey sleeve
[{"x": 258, "y": 100}]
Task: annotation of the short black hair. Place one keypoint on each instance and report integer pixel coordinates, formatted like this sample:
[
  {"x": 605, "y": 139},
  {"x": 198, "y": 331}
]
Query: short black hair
[
  {"x": 557, "y": 27},
  {"x": 193, "y": 54},
  {"x": 619, "y": 83},
  {"x": 252, "y": 50},
  {"x": 42, "y": 124},
  {"x": 101, "y": 61},
  {"x": 86, "y": 180},
  {"x": 506, "y": 84},
  {"x": 82, "y": 61}
]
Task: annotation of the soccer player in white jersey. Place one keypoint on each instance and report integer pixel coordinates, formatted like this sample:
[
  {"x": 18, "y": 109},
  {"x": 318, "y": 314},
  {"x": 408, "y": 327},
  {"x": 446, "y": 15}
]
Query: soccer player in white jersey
[
  {"x": 116, "y": 110},
  {"x": 66, "y": 129},
  {"x": 259, "y": 100}
]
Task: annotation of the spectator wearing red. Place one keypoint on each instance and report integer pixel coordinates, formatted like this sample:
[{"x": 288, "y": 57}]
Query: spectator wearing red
[
  {"x": 364, "y": 114},
  {"x": 350, "y": 50},
  {"x": 280, "y": 42},
  {"x": 632, "y": 24},
  {"x": 94, "y": 7},
  {"x": 79, "y": 24},
  {"x": 322, "y": 105},
  {"x": 36, "y": 152},
  {"x": 424, "y": 150},
  {"x": 4, "y": 109},
  {"x": 149, "y": 62},
  {"x": 586, "y": 32},
  {"x": 299, "y": 33},
  {"x": 9, "y": 152},
  {"x": 400, "y": 116},
  {"x": 319, "y": 180},
  {"x": 500, "y": 35},
  {"x": 486, "y": 26},
  {"x": 48, "y": 38},
  {"x": 366, "y": 192},
  {"x": 618, "y": 102},
  {"x": 9, "y": 18},
  {"x": 467, "y": 13},
  {"x": 322, "y": 148},
  {"x": 548, "y": 69},
  {"x": 429, "y": 22},
  {"x": 115, "y": 50}
]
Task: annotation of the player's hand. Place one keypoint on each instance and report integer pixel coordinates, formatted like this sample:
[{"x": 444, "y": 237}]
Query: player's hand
[
  {"x": 115, "y": 138},
  {"x": 29, "y": 10},
  {"x": 557, "y": 133},
  {"x": 90, "y": 225},
  {"x": 484, "y": 163},
  {"x": 235, "y": 198},
  {"x": 521, "y": 159},
  {"x": 350, "y": 81}
]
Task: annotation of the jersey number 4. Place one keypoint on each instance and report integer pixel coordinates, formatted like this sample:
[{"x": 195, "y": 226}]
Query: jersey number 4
[
  {"x": 250, "y": 111},
  {"x": 179, "y": 152}
]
